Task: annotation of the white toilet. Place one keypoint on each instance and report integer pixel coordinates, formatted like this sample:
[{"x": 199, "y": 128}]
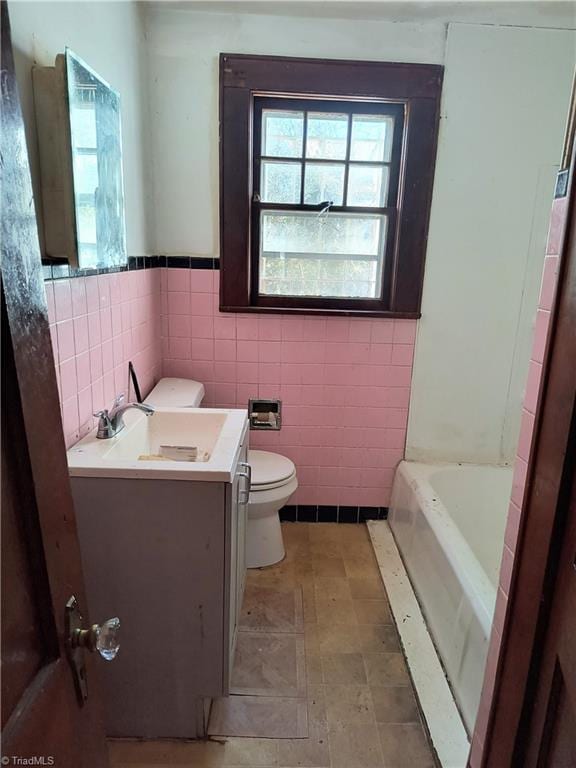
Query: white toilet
[{"x": 273, "y": 478}]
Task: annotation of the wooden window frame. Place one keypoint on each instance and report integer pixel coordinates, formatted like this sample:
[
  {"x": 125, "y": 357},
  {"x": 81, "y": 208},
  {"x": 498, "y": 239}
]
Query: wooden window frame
[{"x": 416, "y": 87}]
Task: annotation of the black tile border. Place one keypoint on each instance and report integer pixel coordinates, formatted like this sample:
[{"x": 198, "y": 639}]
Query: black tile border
[
  {"x": 307, "y": 513},
  {"x": 61, "y": 271}
]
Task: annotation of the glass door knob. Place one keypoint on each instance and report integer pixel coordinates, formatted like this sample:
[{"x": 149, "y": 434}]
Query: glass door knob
[{"x": 103, "y": 638}]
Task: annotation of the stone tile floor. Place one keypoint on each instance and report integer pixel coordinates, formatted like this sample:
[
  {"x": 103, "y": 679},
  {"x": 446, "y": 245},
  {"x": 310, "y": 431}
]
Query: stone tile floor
[{"x": 362, "y": 712}]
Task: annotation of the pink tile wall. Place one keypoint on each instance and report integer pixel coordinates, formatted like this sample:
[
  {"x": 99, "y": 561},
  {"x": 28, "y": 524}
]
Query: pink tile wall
[
  {"x": 98, "y": 324},
  {"x": 344, "y": 384},
  {"x": 546, "y": 300}
]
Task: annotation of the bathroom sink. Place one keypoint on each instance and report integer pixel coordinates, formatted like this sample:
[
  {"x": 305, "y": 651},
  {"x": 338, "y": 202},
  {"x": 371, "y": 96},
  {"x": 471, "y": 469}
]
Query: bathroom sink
[{"x": 134, "y": 452}]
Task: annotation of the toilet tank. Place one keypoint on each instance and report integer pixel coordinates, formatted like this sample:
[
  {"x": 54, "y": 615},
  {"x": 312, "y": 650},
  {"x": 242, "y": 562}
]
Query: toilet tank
[{"x": 176, "y": 393}]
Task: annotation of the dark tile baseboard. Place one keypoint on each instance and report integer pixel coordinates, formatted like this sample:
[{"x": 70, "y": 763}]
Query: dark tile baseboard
[{"x": 307, "y": 513}]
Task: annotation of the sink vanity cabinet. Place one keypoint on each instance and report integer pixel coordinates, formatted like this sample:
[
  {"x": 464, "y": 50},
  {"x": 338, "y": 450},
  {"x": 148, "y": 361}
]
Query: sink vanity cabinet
[{"x": 163, "y": 548}]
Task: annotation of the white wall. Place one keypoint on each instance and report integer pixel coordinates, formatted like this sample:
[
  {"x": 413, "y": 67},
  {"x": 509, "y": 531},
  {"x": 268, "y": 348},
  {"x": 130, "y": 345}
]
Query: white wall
[
  {"x": 504, "y": 105},
  {"x": 110, "y": 37},
  {"x": 505, "y": 100},
  {"x": 184, "y": 47}
]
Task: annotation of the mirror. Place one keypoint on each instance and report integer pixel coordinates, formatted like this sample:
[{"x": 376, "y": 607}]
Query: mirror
[
  {"x": 80, "y": 142},
  {"x": 94, "y": 112}
]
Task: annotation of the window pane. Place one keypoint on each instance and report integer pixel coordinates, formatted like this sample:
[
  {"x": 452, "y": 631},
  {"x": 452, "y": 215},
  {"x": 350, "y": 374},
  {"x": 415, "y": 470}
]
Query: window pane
[
  {"x": 282, "y": 133},
  {"x": 326, "y": 136},
  {"x": 324, "y": 182},
  {"x": 280, "y": 182},
  {"x": 368, "y": 185},
  {"x": 332, "y": 255},
  {"x": 371, "y": 137}
]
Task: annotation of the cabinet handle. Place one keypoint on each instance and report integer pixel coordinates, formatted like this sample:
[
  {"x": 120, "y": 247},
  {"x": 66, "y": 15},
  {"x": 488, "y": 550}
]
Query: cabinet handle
[{"x": 244, "y": 493}]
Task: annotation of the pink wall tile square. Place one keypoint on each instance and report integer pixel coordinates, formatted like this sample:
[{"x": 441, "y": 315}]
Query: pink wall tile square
[
  {"x": 382, "y": 331},
  {"x": 62, "y": 300},
  {"x": 380, "y": 354},
  {"x": 292, "y": 327},
  {"x": 247, "y": 351},
  {"x": 225, "y": 327},
  {"x": 338, "y": 329},
  {"x": 92, "y": 294},
  {"x": 178, "y": 303},
  {"x": 532, "y": 386},
  {"x": 269, "y": 351},
  {"x": 526, "y": 432},
  {"x": 179, "y": 326},
  {"x": 506, "y": 570},
  {"x": 549, "y": 281},
  {"x": 360, "y": 330},
  {"x": 512, "y": 526},
  {"x": 404, "y": 331},
  {"x": 78, "y": 293},
  {"x": 85, "y": 417},
  {"x": 83, "y": 375},
  {"x": 98, "y": 400},
  {"x": 202, "y": 371},
  {"x": 202, "y": 280},
  {"x": 402, "y": 354},
  {"x": 65, "y": 339},
  {"x": 225, "y": 349},
  {"x": 224, "y": 371},
  {"x": 70, "y": 422},
  {"x": 202, "y": 328},
  {"x": 178, "y": 280},
  {"x": 107, "y": 356},
  {"x": 68, "y": 380},
  {"x": 225, "y": 393},
  {"x": 269, "y": 328},
  {"x": 247, "y": 328},
  {"x": 104, "y": 284},
  {"x": 540, "y": 335},
  {"x": 94, "y": 330},
  {"x": 519, "y": 481},
  {"x": 106, "y": 323},
  {"x": 96, "y": 369},
  {"x": 247, "y": 373},
  {"x": 202, "y": 349},
  {"x": 557, "y": 225},
  {"x": 201, "y": 304},
  {"x": 179, "y": 349},
  {"x": 269, "y": 373},
  {"x": 314, "y": 328}
]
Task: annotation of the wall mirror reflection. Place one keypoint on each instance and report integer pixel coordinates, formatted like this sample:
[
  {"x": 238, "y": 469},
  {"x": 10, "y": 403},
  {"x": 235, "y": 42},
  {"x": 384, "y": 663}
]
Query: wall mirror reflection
[{"x": 80, "y": 142}]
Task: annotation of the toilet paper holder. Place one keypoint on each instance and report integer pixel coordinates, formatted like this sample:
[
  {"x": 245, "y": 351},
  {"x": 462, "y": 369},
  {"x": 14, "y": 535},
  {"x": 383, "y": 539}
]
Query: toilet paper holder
[{"x": 265, "y": 414}]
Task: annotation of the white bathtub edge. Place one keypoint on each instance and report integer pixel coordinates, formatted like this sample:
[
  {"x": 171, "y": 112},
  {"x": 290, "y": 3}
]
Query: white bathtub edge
[{"x": 436, "y": 701}]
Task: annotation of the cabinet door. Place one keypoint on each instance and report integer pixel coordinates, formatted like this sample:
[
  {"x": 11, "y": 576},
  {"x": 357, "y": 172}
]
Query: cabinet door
[{"x": 238, "y": 511}]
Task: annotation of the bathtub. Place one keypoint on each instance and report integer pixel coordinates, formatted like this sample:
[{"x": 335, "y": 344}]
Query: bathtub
[{"x": 448, "y": 521}]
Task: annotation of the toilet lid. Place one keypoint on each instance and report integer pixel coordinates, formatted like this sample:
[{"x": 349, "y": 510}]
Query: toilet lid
[{"x": 268, "y": 468}]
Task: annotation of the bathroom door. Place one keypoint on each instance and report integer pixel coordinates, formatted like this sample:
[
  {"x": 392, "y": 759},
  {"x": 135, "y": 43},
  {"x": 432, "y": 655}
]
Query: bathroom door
[
  {"x": 552, "y": 739},
  {"x": 42, "y": 714}
]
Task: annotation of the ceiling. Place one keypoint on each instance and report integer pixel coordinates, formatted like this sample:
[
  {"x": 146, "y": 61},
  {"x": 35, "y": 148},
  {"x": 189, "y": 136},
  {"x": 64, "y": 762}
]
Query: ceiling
[{"x": 559, "y": 14}]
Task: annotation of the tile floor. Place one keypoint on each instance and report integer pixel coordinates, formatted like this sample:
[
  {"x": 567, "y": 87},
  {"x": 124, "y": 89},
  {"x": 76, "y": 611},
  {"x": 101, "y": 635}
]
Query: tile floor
[{"x": 362, "y": 712}]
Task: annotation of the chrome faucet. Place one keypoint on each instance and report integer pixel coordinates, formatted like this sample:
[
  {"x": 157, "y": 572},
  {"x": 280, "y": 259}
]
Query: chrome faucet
[{"x": 111, "y": 422}]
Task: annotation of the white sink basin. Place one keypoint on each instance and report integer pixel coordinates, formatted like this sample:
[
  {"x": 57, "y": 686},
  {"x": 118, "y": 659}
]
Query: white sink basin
[{"x": 218, "y": 432}]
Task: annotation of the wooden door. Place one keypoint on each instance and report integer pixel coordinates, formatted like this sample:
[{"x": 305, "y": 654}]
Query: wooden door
[
  {"x": 42, "y": 715},
  {"x": 533, "y": 713},
  {"x": 552, "y": 734}
]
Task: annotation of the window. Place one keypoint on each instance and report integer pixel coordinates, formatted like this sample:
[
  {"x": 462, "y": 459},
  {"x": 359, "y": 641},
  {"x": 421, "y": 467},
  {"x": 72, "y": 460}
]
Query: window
[{"x": 325, "y": 198}]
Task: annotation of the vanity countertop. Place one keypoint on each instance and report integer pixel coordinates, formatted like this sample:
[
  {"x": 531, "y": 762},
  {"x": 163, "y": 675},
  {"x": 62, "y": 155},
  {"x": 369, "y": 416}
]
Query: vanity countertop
[{"x": 218, "y": 431}]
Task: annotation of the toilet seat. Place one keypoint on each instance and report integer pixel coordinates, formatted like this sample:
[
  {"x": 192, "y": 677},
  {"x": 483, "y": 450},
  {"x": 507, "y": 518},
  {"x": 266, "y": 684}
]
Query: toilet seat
[{"x": 270, "y": 470}]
